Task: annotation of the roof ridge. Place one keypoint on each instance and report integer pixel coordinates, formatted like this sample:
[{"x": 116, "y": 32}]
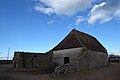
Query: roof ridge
[
  {"x": 78, "y": 38},
  {"x": 82, "y": 33}
]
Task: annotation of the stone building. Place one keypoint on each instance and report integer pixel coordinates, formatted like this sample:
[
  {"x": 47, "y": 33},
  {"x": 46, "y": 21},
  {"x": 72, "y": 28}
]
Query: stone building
[
  {"x": 79, "y": 51},
  {"x": 76, "y": 51}
]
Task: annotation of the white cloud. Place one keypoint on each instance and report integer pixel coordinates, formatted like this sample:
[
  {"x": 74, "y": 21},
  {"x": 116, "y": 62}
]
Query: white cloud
[
  {"x": 63, "y": 7},
  {"x": 104, "y": 11},
  {"x": 50, "y": 22},
  {"x": 115, "y": 52},
  {"x": 70, "y": 25},
  {"x": 79, "y": 20},
  {"x": 44, "y": 10},
  {"x": 117, "y": 14}
]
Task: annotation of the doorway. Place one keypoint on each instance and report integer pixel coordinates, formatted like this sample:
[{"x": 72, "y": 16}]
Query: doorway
[{"x": 66, "y": 60}]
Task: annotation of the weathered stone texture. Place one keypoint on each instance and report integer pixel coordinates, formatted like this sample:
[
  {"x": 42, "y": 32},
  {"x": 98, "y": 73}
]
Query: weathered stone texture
[
  {"x": 82, "y": 59},
  {"x": 97, "y": 59},
  {"x": 32, "y": 61},
  {"x": 65, "y": 69}
]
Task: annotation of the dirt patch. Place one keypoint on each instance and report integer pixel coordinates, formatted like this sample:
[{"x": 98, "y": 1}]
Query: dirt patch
[{"x": 111, "y": 72}]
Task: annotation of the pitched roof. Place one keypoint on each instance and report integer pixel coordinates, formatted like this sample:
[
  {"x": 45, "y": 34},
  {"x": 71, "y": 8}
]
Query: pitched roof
[{"x": 77, "y": 39}]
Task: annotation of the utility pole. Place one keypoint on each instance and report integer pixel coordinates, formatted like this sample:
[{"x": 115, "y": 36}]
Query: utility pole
[
  {"x": 0, "y": 55},
  {"x": 8, "y": 53}
]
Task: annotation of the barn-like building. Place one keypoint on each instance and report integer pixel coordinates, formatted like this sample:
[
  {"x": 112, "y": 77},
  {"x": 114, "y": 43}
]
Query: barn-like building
[{"x": 77, "y": 48}]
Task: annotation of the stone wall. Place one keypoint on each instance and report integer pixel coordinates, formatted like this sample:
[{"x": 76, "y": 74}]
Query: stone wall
[
  {"x": 79, "y": 59},
  {"x": 18, "y": 60},
  {"x": 97, "y": 59},
  {"x": 83, "y": 59},
  {"x": 91, "y": 59},
  {"x": 32, "y": 61}
]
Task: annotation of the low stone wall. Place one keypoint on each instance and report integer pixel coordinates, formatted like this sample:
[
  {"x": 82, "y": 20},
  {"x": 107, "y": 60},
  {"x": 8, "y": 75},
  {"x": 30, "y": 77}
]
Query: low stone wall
[{"x": 65, "y": 69}]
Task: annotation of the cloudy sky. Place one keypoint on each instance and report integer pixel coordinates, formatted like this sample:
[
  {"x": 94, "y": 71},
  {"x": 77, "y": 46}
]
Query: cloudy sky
[{"x": 39, "y": 25}]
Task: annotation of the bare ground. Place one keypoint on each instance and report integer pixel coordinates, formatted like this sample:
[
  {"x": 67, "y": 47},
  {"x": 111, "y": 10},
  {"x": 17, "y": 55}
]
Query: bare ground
[{"x": 111, "y": 72}]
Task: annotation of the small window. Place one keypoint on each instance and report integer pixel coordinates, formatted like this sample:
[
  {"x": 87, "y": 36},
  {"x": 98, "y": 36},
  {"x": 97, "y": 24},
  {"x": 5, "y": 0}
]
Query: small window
[{"x": 66, "y": 60}]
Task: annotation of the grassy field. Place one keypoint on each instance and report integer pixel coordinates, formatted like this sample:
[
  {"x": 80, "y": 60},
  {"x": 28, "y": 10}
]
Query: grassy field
[{"x": 111, "y": 72}]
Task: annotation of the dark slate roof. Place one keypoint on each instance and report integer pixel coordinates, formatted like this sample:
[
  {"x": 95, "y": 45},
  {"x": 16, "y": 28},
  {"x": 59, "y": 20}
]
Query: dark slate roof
[{"x": 77, "y": 39}]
